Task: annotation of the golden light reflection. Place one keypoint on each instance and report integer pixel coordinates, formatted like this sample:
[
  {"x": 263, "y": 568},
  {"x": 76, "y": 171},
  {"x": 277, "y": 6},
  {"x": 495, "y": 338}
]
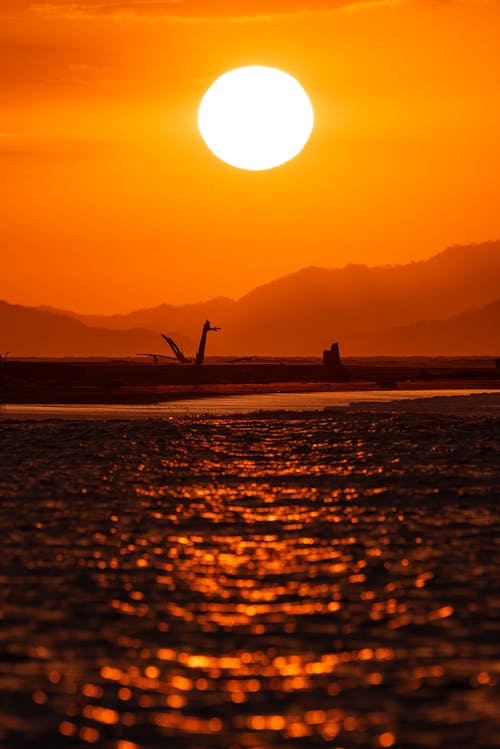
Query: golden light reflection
[
  {"x": 244, "y": 605},
  {"x": 265, "y": 581},
  {"x": 272, "y": 610}
]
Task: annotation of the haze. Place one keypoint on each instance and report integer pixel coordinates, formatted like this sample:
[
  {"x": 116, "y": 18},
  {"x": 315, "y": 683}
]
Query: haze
[{"x": 109, "y": 200}]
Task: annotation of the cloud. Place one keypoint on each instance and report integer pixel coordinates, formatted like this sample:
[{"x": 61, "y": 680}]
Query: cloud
[
  {"x": 204, "y": 9},
  {"x": 35, "y": 148},
  {"x": 182, "y": 8}
]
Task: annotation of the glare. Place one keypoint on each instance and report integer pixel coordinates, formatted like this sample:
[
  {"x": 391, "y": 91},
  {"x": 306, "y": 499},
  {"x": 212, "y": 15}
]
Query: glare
[{"x": 256, "y": 118}]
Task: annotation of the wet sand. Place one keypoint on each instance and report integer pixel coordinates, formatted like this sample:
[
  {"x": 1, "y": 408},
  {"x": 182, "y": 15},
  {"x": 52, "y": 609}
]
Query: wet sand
[
  {"x": 451, "y": 402},
  {"x": 471, "y": 405}
]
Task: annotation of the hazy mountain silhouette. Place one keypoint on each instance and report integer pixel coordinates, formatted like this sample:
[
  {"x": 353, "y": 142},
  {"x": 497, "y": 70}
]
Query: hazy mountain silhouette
[
  {"x": 299, "y": 312},
  {"x": 187, "y": 318},
  {"x": 475, "y": 333},
  {"x": 29, "y": 331},
  {"x": 442, "y": 306}
]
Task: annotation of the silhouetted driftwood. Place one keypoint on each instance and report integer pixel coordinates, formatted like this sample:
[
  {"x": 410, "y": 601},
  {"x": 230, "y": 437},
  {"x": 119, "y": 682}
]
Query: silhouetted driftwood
[
  {"x": 176, "y": 349},
  {"x": 200, "y": 355},
  {"x": 157, "y": 357}
]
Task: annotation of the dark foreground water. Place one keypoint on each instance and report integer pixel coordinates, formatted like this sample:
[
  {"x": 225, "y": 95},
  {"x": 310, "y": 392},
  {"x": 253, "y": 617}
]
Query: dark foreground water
[{"x": 243, "y": 582}]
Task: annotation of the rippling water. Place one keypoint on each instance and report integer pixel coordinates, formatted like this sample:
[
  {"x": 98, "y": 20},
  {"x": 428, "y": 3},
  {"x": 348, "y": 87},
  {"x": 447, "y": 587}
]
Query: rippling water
[{"x": 287, "y": 581}]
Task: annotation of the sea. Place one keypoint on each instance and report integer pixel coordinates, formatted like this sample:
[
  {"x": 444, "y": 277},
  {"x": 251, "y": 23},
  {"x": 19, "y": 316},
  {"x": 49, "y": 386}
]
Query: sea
[{"x": 265, "y": 580}]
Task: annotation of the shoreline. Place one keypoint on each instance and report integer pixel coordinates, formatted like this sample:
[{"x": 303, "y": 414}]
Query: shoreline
[
  {"x": 115, "y": 383},
  {"x": 130, "y": 396},
  {"x": 469, "y": 404}
]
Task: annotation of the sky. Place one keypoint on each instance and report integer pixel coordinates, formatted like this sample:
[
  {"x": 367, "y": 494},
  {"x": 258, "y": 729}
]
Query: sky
[{"x": 110, "y": 200}]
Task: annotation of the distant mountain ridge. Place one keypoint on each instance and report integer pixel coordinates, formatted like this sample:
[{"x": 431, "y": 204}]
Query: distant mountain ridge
[
  {"x": 343, "y": 303},
  {"x": 186, "y": 317},
  {"x": 476, "y": 332},
  {"x": 447, "y": 305},
  {"x": 30, "y": 331}
]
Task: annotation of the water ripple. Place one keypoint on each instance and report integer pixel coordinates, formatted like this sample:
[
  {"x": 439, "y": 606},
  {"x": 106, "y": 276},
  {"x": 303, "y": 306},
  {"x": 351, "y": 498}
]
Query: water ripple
[{"x": 321, "y": 581}]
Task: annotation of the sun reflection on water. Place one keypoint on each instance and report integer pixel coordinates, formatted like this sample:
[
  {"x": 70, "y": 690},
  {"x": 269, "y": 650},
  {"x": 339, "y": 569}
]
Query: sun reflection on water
[{"x": 249, "y": 583}]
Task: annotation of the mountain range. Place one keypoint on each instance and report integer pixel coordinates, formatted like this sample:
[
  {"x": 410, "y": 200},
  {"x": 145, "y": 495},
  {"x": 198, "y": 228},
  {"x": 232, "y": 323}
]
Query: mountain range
[{"x": 448, "y": 305}]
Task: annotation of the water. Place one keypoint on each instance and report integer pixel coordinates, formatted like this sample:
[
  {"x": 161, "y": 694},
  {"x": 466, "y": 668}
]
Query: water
[
  {"x": 229, "y": 404},
  {"x": 294, "y": 580}
]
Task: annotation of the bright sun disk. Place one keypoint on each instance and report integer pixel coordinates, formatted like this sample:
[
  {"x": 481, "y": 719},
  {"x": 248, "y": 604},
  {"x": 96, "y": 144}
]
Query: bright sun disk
[{"x": 256, "y": 118}]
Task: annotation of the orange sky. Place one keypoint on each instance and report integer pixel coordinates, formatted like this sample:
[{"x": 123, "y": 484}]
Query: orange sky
[{"x": 110, "y": 201}]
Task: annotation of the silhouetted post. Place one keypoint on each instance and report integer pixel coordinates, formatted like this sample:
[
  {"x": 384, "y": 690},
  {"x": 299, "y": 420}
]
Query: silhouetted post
[{"x": 331, "y": 357}]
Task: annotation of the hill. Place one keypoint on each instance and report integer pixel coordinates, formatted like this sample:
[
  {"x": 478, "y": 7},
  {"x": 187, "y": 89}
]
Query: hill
[
  {"x": 300, "y": 312},
  {"x": 476, "y": 333},
  {"x": 28, "y": 331},
  {"x": 447, "y": 305}
]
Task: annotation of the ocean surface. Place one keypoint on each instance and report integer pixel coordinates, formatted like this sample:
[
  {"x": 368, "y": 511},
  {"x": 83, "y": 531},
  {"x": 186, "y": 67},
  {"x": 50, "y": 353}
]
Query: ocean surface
[{"x": 250, "y": 582}]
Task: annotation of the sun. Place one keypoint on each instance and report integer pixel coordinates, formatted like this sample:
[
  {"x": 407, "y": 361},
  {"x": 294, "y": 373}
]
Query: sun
[{"x": 256, "y": 118}]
